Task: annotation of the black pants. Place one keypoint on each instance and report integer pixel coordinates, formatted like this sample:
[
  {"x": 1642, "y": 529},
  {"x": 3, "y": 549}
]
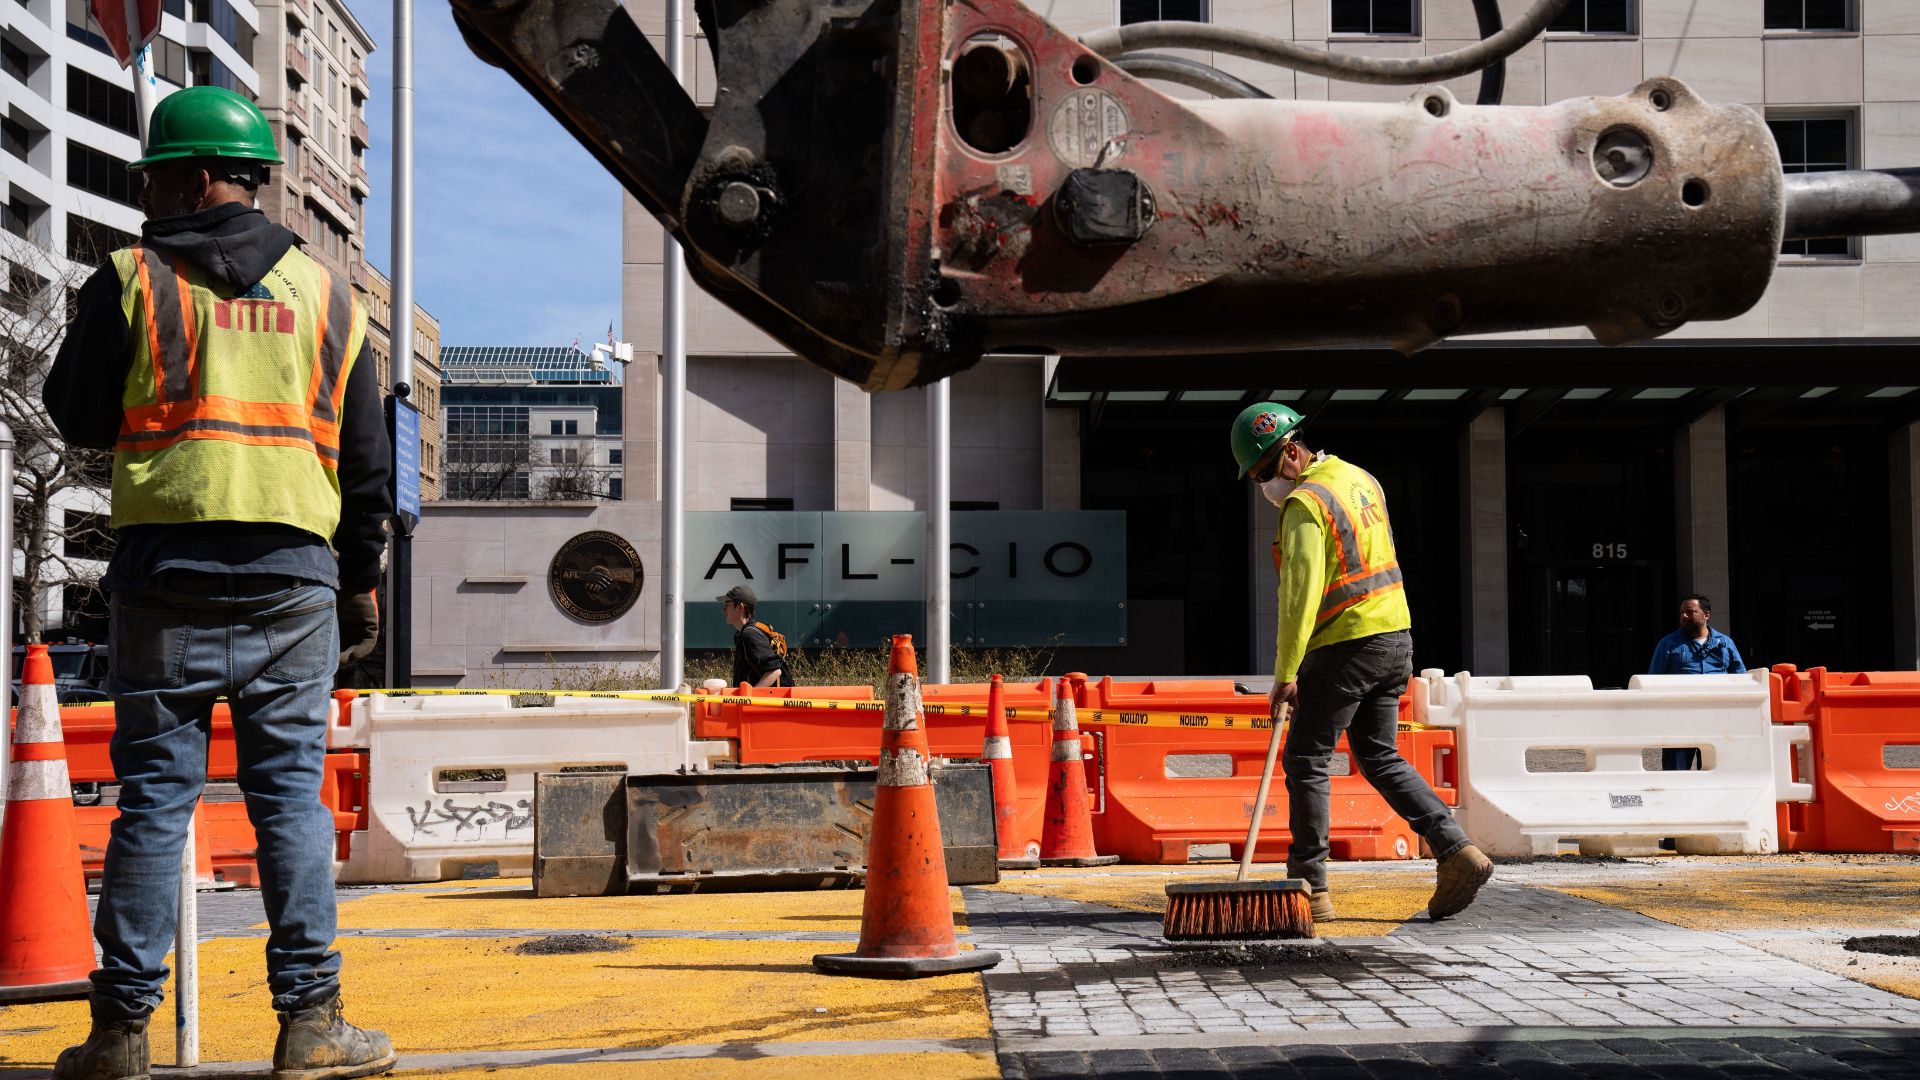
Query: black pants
[{"x": 1354, "y": 687}]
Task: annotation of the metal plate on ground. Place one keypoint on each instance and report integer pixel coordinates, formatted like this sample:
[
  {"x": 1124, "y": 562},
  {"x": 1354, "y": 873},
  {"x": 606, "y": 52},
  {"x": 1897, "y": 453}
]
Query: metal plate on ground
[{"x": 766, "y": 828}]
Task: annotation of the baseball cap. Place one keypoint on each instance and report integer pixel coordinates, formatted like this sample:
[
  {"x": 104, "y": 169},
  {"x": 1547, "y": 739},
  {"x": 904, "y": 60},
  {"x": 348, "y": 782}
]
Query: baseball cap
[{"x": 739, "y": 594}]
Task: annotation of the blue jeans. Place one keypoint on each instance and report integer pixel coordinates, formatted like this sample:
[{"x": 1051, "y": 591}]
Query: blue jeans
[
  {"x": 269, "y": 645},
  {"x": 1355, "y": 687},
  {"x": 1679, "y": 758}
]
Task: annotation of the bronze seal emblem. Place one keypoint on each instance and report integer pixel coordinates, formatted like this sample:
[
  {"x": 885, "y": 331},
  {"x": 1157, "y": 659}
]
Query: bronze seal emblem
[{"x": 595, "y": 577}]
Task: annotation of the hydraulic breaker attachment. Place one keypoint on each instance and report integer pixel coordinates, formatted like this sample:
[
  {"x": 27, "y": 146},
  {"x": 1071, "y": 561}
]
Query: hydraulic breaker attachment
[{"x": 894, "y": 187}]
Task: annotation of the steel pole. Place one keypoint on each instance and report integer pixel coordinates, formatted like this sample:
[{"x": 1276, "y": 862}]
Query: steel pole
[
  {"x": 6, "y": 593},
  {"x": 673, "y": 418},
  {"x": 400, "y": 339},
  {"x": 939, "y": 530},
  {"x": 142, "y": 89},
  {"x": 186, "y": 962}
]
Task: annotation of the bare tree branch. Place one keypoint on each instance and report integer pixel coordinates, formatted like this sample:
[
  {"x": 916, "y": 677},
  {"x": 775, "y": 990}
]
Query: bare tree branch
[{"x": 59, "y": 492}]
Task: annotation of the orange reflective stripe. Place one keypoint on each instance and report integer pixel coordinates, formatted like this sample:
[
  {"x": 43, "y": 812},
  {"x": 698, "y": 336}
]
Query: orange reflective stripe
[
  {"x": 1357, "y": 580},
  {"x": 328, "y": 387},
  {"x": 225, "y": 431},
  {"x": 173, "y": 414},
  {"x": 151, "y": 319}
]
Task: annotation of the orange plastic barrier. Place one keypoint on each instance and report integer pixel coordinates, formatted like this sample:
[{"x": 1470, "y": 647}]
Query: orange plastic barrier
[
  {"x": 765, "y": 735},
  {"x": 1145, "y": 815},
  {"x": 229, "y": 832},
  {"x": 1861, "y": 803}
]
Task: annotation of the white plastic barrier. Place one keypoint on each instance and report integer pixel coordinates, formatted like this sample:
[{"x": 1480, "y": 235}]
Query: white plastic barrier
[
  {"x": 423, "y": 825},
  {"x": 1520, "y": 736}
]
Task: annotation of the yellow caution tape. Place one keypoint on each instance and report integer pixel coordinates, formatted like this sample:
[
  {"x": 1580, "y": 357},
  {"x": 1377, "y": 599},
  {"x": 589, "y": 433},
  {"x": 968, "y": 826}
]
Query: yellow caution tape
[{"x": 1115, "y": 717}]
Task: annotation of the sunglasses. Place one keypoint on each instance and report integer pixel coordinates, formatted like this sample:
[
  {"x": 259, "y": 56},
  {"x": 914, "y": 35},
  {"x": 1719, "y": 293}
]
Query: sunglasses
[{"x": 1270, "y": 465}]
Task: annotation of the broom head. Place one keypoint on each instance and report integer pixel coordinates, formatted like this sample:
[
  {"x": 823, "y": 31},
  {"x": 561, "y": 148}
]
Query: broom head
[{"x": 1238, "y": 911}]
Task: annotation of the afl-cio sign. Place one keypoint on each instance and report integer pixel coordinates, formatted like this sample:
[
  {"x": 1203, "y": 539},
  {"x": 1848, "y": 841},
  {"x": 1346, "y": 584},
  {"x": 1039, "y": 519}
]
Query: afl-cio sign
[{"x": 595, "y": 577}]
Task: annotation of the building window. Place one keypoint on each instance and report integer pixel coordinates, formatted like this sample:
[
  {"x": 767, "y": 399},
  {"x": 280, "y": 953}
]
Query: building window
[
  {"x": 1139, "y": 11},
  {"x": 1594, "y": 17},
  {"x": 1372, "y": 16},
  {"x": 563, "y": 427},
  {"x": 613, "y": 488},
  {"x": 91, "y": 242},
  {"x": 17, "y": 215},
  {"x": 761, "y": 504},
  {"x": 959, "y": 505},
  {"x": 99, "y": 101},
  {"x": 82, "y": 28},
  {"x": 1808, "y": 15},
  {"x": 566, "y": 456},
  {"x": 170, "y": 61},
  {"x": 15, "y": 61},
  {"x": 102, "y": 174},
  {"x": 16, "y": 138},
  {"x": 616, "y": 457},
  {"x": 1811, "y": 144}
]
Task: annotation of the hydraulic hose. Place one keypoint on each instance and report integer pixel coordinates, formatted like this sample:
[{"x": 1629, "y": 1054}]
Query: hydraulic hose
[
  {"x": 1119, "y": 41},
  {"x": 1493, "y": 77},
  {"x": 1858, "y": 202},
  {"x": 1199, "y": 76}
]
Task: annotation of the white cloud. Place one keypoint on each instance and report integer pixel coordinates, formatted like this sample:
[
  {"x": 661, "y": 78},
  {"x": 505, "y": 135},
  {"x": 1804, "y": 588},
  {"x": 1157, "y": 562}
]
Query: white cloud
[{"x": 516, "y": 228}]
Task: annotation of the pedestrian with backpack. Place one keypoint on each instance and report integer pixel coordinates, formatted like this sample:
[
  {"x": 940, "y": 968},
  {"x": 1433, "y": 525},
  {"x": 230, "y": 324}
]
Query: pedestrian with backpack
[{"x": 759, "y": 651}]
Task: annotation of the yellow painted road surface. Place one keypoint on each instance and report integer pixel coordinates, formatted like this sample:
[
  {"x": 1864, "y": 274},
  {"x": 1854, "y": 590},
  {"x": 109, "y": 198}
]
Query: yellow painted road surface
[
  {"x": 1368, "y": 903},
  {"x": 839, "y": 1067},
  {"x": 510, "y": 905}
]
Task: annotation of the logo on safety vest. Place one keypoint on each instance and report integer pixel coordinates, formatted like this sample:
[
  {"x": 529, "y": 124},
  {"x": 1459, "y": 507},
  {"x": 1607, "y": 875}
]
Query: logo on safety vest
[
  {"x": 1370, "y": 512},
  {"x": 253, "y": 316},
  {"x": 1265, "y": 423}
]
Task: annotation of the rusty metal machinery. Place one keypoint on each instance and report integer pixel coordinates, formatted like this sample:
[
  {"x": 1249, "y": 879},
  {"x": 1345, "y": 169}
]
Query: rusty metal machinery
[{"x": 894, "y": 187}]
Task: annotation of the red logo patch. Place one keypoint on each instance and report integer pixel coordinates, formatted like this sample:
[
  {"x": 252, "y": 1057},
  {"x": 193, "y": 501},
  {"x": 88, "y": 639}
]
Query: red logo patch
[{"x": 1265, "y": 423}]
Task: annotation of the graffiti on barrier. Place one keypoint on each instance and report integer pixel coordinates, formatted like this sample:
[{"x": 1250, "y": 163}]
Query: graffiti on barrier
[
  {"x": 469, "y": 822},
  {"x": 1908, "y": 805}
]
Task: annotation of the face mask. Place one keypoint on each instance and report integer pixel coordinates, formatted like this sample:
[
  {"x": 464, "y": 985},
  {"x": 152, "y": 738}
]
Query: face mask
[{"x": 1277, "y": 489}]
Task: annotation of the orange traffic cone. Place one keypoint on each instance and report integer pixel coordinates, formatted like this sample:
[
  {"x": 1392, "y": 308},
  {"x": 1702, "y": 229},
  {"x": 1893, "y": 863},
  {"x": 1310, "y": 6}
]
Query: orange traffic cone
[
  {"x": 46, "y": 949},
  {"x": 906, "y": 921},
  {"x": 1066, "y": 839},
  {"x": 1015, "y": 853}
]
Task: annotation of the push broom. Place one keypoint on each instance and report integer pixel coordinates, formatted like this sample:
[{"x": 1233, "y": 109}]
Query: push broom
[{"x": 1242, "y": 910}]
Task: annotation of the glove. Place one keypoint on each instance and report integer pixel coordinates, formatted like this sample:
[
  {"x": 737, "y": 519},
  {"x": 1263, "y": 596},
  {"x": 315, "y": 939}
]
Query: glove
[{"x": 359, "y": 627}]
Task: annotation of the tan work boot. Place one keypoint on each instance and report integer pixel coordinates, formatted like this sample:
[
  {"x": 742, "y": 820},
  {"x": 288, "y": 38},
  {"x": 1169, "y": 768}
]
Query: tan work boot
[
  {"x": 1322, "y": 906},
  {"x": 1461, "y": 875},
  {"x": 318, "y": 1044},
  {"x": 114, "y": 1050}
]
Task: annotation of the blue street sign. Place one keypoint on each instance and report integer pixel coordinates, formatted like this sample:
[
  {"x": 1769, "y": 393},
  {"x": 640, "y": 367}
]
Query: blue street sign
[{"x": 406, "y": 459}]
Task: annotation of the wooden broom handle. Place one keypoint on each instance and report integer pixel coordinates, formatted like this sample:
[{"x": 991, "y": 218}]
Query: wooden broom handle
[{"x": 1260, "y": 799}]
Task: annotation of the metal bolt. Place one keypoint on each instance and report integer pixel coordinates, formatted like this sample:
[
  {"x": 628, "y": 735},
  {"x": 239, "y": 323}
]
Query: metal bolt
[{"x": 737, "y": 206}]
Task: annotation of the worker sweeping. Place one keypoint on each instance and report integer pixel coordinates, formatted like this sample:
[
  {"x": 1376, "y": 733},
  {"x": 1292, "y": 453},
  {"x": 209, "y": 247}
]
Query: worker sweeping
[{"x": 1343, "y": 652}]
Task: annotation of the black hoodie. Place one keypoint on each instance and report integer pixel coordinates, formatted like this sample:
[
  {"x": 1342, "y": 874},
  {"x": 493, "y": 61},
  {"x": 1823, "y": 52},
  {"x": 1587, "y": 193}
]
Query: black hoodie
[{"x": 238, "y": 245}]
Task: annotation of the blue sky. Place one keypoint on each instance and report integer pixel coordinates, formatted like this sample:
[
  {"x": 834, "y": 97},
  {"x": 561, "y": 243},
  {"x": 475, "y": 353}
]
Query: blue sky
[{"x": 516, "y": 229}]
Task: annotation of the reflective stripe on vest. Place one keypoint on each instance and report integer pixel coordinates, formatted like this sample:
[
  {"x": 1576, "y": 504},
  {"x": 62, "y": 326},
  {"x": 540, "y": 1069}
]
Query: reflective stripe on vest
[
  {"x": 1357, "y": 581},
  {"x": 179, "y": 411}
]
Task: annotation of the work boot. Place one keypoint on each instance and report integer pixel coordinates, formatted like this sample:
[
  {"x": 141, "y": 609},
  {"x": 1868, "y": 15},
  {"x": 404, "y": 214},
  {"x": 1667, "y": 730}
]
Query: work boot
[
  {"x": 317, "y": 1043},
  {"x": 1461, "y": 875},
  {"x": 1322, "y": 905},
  {"x": 114, "y": 1050}
]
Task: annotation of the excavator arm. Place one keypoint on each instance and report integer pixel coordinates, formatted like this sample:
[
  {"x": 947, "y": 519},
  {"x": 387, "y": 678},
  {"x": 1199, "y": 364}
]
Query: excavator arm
[{"x": 893, "y": 188}]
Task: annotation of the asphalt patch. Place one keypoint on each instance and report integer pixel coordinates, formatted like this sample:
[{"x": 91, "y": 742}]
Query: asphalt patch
[
  {"x": 1886, "y": 944},
  {"x": 570, "y": 945}
]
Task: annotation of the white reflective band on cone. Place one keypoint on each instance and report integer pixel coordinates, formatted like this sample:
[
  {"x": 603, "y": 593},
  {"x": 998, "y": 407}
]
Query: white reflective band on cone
[
  {"x": 997, "y": 747},
  {"x": 1063, "y": 715},
  {"x": 902, "y": 768},
  {"x": 39, "y": 716},
  {"x": 1066, "y": 749},
  {"x": 903, "y": 702},
  {"x": 30, "y": 780}
]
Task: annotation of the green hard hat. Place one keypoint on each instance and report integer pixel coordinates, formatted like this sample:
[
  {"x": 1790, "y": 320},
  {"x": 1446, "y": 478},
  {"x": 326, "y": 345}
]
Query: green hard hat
[
  {"x": 208, "y": 121},
  {"x": 1258, "y": 427}
]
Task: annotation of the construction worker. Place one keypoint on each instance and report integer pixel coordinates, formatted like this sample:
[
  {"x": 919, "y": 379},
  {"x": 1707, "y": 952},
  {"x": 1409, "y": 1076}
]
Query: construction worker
[
  {"x": 1343, "y": 652},
  {"x": 224, "y": 368}
]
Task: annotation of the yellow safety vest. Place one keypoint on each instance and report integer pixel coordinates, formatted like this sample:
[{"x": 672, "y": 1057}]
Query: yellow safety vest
[
  {"x": 1364, "y": 592},
  {"x": 233, "y": 401}
]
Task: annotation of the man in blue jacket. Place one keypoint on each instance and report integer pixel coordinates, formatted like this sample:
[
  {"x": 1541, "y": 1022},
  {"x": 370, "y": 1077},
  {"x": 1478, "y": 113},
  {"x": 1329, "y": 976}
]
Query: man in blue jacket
[{"x": 1694, "y": 649}]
